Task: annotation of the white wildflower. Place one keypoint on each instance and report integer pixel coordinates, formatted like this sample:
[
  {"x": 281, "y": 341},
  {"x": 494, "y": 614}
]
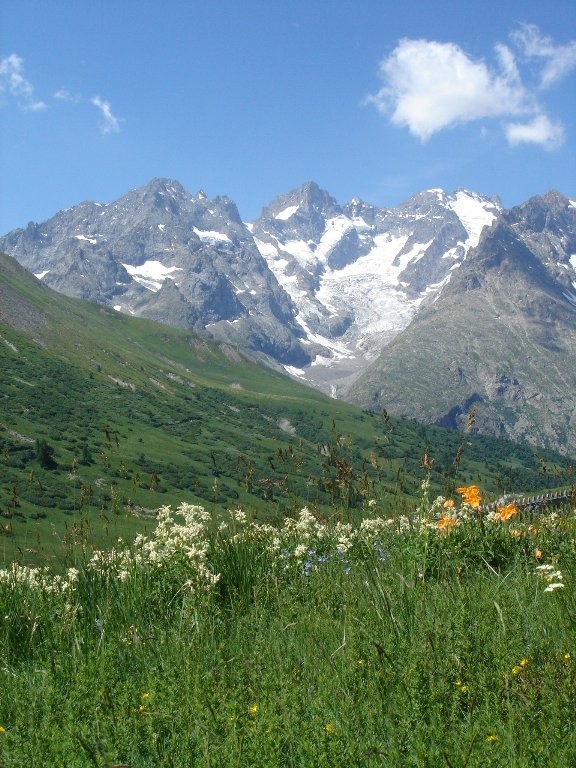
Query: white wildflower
[
  {"x": 300, "y": 551},
  {"x": 238, "y": 516}
]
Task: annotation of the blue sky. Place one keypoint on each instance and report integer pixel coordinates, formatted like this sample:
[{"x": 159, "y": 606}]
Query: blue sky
[{"x": 370, "y": 98}]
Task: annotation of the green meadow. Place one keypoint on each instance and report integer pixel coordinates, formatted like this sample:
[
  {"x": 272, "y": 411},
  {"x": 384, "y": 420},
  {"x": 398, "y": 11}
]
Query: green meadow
[{"x": 440, "y": 638}]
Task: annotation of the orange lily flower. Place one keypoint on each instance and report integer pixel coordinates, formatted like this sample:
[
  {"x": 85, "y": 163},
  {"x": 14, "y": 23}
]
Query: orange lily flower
[
  {"x": 470, "y": 495},
  {"x": 505, "y": 513}
]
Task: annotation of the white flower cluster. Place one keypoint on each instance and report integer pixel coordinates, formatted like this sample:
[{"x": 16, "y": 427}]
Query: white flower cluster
[
  {"x": 39, "y": 579},
  {"x": 552, "y": 576},
  {"x": 171, "y": 541},
  {"x": 299, "y": 537}
]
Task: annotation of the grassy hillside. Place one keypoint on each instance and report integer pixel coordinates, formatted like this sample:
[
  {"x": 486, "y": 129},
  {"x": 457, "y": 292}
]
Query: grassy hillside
[{"x": 104, "y": 418}]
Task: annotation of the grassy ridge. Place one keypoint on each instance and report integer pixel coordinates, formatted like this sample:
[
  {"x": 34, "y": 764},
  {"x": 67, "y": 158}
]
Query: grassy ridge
[{"x": 403, "y": 641}]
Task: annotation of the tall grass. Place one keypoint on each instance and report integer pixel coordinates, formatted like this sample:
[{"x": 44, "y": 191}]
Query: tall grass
[{"x": 444, "y": 638}]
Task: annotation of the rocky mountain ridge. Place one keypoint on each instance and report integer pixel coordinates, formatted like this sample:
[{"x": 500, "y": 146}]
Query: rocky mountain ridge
[
  {"x": 343, "y": 296},
  {"x": 509, "y": 313}
]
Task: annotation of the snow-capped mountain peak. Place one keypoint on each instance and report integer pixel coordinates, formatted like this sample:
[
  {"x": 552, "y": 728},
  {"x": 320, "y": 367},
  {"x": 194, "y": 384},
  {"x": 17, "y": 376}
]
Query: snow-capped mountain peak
[{"x": 358, "y": 273}]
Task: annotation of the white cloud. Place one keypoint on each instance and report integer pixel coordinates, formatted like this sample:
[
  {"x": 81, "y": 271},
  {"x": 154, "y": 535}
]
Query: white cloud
[
  {"x": 65, "y": 95},
  {"x": 541, "y": 130},
  {"x": 559, "y": 60},
  {"x": 13, "y": 82},
  {"x": 430, "y": 86},
  {"x": 110, "y": 123}
]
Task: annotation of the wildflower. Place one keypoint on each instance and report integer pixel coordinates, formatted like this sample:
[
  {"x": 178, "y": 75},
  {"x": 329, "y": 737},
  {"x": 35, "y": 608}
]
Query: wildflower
[
  {"x": 448, "y": 504},
  {"x": 567, "y": 657},
  {"x": 300, "y": 551},
  {"x": 538, "y": 554},
  {"x": 372, "y": 503},
  {"x": 555, "y": 585},
  {"x": 238, "y": 516},
  {"x": 446, "y": 523},
  {"x": 505, "y": 513},
  {"x": 462, "y": 687},
  {"x": 253, "y": 710},
  {"x": 520, "y": 667},
  {"x": 492, "y": 739},
  {"x": 2, "y": 730},
  {"x": 330, "y": 728},
  {"x": 470, "y": 495}
]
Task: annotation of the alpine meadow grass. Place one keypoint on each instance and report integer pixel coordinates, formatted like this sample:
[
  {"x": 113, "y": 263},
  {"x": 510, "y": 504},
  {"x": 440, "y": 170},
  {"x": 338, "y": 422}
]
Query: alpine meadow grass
[{"x": 443, "y": 637}]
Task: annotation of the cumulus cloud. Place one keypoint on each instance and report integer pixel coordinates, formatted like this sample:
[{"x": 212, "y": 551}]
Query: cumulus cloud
[
  {"x": 430, "y": 86},
  {"x": 13, "y": 82},
  {"x": 110, "y": 123},
  {"x": 541, "y": 130}
]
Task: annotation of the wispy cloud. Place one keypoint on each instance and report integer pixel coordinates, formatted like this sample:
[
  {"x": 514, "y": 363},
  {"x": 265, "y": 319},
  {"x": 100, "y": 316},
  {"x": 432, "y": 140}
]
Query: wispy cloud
[
  {"x": 558, "y": 60},
  {"x": 13, "y": 83},
  {"x": 430, "y": 86},
  {"x": 110, "y": 123},
  {"x": 65, "y": 95},
  {"x": 14, "y": 86},
  {"x": 541, "y": 130}
]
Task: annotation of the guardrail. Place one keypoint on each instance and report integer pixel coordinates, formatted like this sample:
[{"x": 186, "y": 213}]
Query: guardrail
[{"x": 536, "y": 502}]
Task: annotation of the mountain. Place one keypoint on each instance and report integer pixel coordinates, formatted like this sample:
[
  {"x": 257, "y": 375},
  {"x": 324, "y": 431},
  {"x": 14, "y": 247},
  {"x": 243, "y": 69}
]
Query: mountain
[
  {"x": 500, "y": 338},
  {"x": 316, "y": 287},
  {"x": 359, "y": 274},
  {"x": 161, "y": 253},
  {"x": 445, "y": 302}
]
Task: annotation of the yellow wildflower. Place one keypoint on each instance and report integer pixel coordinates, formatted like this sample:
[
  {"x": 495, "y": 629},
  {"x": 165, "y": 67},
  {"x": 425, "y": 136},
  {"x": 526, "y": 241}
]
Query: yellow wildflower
[
  {"x": 330, "y": 728},
  {"x": 2, "y": 730},
  {"x": 492, "y": 738},
  {"x": 253, "y": 710},
  {"x": 520, "y": 667}
]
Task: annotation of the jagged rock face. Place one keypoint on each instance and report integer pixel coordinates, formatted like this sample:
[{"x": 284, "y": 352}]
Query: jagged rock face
[
  {"x": 161, "y": 253},
  {"x": 359, "y": 274},
  {"x": 501, "y": 338}
]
